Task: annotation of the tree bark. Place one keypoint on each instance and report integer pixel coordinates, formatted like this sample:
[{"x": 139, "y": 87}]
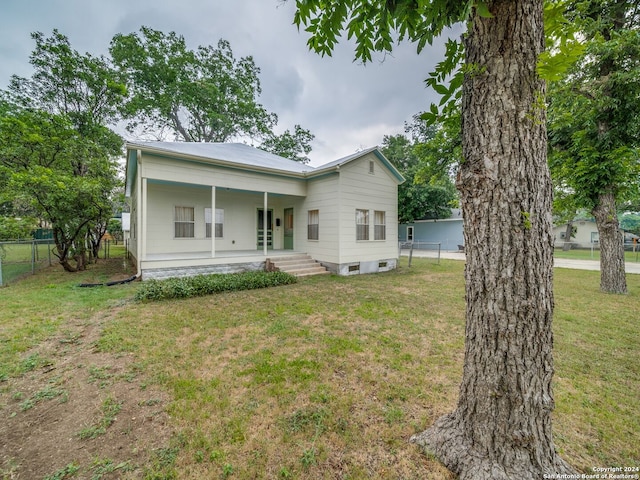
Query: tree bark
[
  {"x": 612, "y": 269},
  {"x": 501, "y": 428},
  {"x": 568, "y": 233}
]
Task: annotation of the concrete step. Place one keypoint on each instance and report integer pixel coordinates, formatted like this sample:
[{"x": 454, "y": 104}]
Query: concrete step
[{"x": 298, "y": 265}]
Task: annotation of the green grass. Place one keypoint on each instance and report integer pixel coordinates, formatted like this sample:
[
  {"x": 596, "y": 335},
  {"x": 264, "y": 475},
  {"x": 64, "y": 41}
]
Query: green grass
[
  {"x": 109, "y": 409},
  {"x": 586, "y": 254},
  {"x": 34, "y": 308},
  {"x": 330, "y": 377}
]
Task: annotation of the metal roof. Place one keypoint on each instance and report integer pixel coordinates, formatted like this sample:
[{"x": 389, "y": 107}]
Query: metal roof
[
  {"x": 238, "y": 153},
  {"x": 243, "y": 155}
]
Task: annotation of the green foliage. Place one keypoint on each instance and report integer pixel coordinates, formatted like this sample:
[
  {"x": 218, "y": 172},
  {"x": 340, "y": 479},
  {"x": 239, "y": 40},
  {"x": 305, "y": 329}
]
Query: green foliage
[
  {"x": 563, "y": 45},
  {"x": 201, "y": 95},
  {"x": 68, "y": 471},
  {"x": 426, "y": 161},
  {"x": 114, "y": 227},
  {"x": 207, "y": 284},
  {"x": 593, "y": 111},
  {"x": 630, "y": 222},
  {"x": 84, "y": 88},
  {"x": 12, "y": 228},
  {"x": 57, "y": 157},
  {"x": 109, "y": 409},
  {"x": 294, "y": 146}
]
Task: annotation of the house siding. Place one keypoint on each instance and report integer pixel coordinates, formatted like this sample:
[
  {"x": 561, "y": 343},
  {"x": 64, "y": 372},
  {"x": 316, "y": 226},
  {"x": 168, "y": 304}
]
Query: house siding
[
  {"x": 323, "y": 195},
  {"x": 448, "y": 232},
  {"x": 194, "y": 173},
  {"x": 360, "y": 189}
]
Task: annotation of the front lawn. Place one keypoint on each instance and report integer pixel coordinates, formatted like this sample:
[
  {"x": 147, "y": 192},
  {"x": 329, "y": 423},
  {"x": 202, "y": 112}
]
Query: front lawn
[{"x": 329, "y": 377}]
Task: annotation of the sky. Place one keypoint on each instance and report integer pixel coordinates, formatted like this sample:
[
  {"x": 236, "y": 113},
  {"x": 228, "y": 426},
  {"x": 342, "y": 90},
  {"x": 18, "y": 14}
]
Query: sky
[{"x": 348, "y": 106}]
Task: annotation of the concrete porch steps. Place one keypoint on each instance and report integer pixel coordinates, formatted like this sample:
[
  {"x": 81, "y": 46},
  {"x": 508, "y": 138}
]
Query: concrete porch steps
[{"x": 298, "y": 265}]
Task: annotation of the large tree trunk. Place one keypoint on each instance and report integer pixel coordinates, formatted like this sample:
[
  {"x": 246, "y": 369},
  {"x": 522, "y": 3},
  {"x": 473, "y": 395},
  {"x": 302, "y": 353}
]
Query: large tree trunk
[
  {"x": 501, "y": 428},
  {"x": 612, "y": 269},
  {"x": 568, "y": 233}
]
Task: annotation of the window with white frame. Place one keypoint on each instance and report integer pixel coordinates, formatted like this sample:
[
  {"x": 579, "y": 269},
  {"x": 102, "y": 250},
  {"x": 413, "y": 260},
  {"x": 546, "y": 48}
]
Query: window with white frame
[
  {"x": 379, "y": 225},
  {"x": 362, "y": 224},
  {"x": 409, "y": 234},
  {"x": 313, "y": 225},
  {"x": 184, "y": 222},
  {"x": 219, "y": 224}
]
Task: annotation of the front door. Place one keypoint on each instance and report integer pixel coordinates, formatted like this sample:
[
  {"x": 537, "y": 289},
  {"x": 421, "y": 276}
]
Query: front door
[
  {"x": 265, "y": 229},
  {"x": 288, "y": 228}
]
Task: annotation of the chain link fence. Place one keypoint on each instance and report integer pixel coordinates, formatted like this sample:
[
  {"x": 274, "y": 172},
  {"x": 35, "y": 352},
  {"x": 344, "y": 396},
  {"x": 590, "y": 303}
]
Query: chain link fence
[{"x": 20, "y": 258}]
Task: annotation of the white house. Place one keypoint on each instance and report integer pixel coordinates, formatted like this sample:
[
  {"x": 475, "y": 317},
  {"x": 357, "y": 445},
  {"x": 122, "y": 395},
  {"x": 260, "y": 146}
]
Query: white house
[
  {"x": 585, "y": 234},
  {"x": 226, "y": 207}
]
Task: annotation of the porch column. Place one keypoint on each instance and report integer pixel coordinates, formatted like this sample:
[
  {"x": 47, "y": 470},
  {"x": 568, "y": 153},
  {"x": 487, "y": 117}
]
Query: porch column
[
  {"x": 213, "y": 221},
  {"x": 265, "y": 217},
  {"x": 143, "y": 227}
]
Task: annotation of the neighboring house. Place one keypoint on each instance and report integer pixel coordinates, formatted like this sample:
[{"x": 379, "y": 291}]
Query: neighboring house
[
  {"x": 448, "y": 232},
  {"x": 126, "y": 226},
  {"x": 585, "y": 234},
  {"x": 227, "y": 207}
]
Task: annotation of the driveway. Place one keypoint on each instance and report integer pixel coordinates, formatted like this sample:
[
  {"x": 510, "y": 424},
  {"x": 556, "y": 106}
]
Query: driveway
[{"x": 630, "y": 267}]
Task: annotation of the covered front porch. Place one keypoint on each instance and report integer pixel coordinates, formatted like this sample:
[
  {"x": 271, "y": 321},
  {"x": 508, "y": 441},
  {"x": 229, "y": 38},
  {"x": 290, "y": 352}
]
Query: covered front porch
[{"x": 181, "y": 264}]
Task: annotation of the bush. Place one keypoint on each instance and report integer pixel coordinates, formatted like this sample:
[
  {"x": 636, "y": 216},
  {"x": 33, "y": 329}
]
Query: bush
[{"x": 207, "y": 284}]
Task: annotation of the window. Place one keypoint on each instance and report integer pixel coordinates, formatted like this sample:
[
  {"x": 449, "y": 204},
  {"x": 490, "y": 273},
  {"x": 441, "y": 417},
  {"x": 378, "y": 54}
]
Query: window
[
  {"x": 372, "y": 170},
  {"x": 362, "y": 224},
  {"x": 184, "y": 222},
  {"x": 313, "y": 225},
  {"x": 219, "y": 222},
  {"x": 409, "y": 234},
  {"x": 379, "y": 226}
]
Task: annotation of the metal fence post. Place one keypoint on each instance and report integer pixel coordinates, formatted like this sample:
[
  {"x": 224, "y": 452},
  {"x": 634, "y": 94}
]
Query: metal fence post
[{"x": 0, "y": 270}]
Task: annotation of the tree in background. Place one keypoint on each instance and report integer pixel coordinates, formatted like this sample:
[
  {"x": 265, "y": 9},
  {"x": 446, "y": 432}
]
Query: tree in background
[
  {"x": 501, "y": 428},
  {"x": 68, "y": 180},
  {"x": 294, "y": 146},
  {"x": 114, "y": 227},
  {"x": 57, "y": 153},
  {"x": 428, "y": 192},
  {"x": 84, "y": 88},
  {"x": 202, "y": 95},
  {"x": 594, "y": 127},
  {"x": 12, "y": 228}
]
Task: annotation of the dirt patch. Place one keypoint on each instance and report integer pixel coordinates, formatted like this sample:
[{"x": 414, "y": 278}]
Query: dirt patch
[{"x": 80, "y": 409}]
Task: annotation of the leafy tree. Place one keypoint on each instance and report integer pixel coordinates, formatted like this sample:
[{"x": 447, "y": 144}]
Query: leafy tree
[
  {"x": 294, "y": 146},
  {"x": 501, "y": 427},
  {"x": 420, "y": 196},
  {"x": 631, "y": 222},
  {"x": 594, "y": 127},
  {"x": 202, "y": 95},
  {"x": 12, "y": 228},
  {"x": 66, "y": 179},
  {"x": 56, "y": 146},
  {"x": 114, "y": 227},
  {"x": 84, "y": 88}
]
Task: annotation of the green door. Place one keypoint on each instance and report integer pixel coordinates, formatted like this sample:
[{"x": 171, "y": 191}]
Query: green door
[{"x": 288, "y": 228}]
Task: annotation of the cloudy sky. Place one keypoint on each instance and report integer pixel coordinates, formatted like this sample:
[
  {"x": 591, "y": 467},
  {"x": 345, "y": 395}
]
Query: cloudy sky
[{"x": 347, "y": 105}]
